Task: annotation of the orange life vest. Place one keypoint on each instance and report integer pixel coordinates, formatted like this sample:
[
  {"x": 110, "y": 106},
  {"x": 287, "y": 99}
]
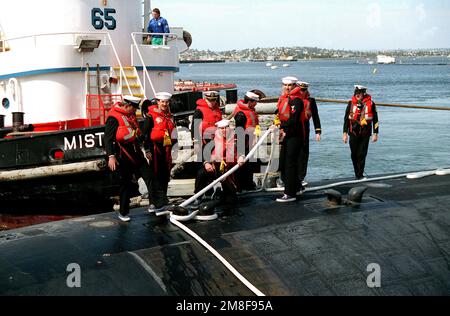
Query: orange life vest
[
  {"x": 128, "y": 130},
  {"x": 210, "y": 117},
  {"x": 284, "y": 109},
  {"x": 224, "y": 149},
  {"x": 251, "y": 115},
  {"x": 163, "y": 124},
  {"x": 363, "y": 116},
  {"x": 305, "y": 96}
]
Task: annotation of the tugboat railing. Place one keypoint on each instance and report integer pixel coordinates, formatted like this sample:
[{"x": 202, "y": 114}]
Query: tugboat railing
[
  {"x": 106, "y": 35},
  {"x": 35, "y": 36},
  {"x": 167, "y": 37}
]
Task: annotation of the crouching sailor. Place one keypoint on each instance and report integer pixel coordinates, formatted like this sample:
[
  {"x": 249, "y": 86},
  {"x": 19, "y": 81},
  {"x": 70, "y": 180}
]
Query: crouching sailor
[
  {"x": 125, "y": 155},
  {"x": 360, "y": 118},
  {"x": 223, "y": 158},
  {"x": 159, "y": 137}
]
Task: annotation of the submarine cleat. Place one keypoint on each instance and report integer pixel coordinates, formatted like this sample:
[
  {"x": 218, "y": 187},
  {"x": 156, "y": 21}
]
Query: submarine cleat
[
  {"x": 355, "y": 195},
  {"x": 207, "y": 211},
  {"x": 334, "y": 197},
  {"x": 179, "y": 213}
]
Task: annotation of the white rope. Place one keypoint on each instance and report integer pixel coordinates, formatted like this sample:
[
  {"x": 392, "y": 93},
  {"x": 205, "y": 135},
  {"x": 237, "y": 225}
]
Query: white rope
[
  {"x": 410, "y": 175},
  {"x": 236, "y": 273},
  {"x": 174, "y": 219},
  {"x": 230, "y": 172}
]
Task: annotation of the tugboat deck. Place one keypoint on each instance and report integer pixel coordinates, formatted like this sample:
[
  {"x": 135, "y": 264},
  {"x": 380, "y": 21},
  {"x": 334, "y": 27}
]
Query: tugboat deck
[{"x": 305, "y": 248}]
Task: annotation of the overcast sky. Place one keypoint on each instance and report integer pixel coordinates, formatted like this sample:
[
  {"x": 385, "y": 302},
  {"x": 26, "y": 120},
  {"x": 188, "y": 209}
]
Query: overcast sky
[{"x": 349, "y": 24}]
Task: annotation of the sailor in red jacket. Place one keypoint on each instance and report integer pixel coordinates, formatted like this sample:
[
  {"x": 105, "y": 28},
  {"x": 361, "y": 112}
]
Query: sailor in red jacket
[
  {"x": 159, "y": 137},
  {"x": 224, "y": 157},
  {"x": 247, "y": 129},
  {"x": 125, "y": 155},
  {"x": 206, "y": 115},
  {"x": 360, "y": 119}
]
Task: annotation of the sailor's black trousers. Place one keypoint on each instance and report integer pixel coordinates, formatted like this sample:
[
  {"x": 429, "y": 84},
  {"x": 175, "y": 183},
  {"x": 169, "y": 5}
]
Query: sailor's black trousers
[{"x": 359, "y": 146}]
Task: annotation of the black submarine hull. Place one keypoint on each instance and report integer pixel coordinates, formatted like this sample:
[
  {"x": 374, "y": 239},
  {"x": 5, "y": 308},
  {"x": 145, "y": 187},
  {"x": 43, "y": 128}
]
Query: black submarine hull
[{"x": 309, "y": 247}]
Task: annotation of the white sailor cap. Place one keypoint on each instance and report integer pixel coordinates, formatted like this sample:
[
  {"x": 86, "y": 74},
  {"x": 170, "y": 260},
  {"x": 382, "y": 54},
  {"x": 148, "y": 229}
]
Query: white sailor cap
[
  {"x": 132, "y": 100},
  {"x": 289, "y": 80},
  {"x": 223, "y": 123},
  {"x": 360, "y": 88},
  {"x": 252, "y": 96},
  {"x": 303, "y": 84},
  {"x": 164, "y": 96},
  {"x": 211, "y": 94}
]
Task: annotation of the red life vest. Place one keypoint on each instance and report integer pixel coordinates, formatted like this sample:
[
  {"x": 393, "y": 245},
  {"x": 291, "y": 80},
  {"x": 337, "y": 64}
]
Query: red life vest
[
  {"x": 210, "y": 117},
  {"x": 251, "y": 115},
  {"x": 365, "y": 115},
  {"x": 162, "y": 124},
  {"x": 128, "y": 130},
  {"x": 224, "y": 149},
  {"x": 307, "y": 113},
  {"x": 284, "y": 109}
]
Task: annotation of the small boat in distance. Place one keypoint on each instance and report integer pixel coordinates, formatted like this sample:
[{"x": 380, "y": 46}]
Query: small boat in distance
[
  {"x": 383, "y": 59},
  {"x": 269, "y": 65},
  {"x": 286, "y": 65}
]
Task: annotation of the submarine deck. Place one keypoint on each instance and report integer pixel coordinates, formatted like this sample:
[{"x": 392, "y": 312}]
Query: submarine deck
[{"x": 305, "y": 248}]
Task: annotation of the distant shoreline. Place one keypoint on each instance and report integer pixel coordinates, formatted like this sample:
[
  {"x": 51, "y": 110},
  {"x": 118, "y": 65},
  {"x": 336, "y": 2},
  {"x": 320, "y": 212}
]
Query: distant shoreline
[
  {"x": 275, "y": 62},
  {"x": 202, "y": 61}
]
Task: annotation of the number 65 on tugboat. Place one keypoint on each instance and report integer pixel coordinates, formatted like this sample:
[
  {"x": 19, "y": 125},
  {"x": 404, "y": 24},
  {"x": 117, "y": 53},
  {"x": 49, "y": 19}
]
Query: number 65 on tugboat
[{"x": 63, "y": 65}]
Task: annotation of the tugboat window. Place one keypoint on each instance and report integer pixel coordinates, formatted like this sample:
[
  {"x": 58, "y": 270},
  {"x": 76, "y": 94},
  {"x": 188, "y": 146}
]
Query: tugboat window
[{"x": 5, "y": 103}]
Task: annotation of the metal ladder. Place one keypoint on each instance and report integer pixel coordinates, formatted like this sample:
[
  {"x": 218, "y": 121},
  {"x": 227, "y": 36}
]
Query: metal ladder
[
  {"x": 134, "y": 86},
  {"x": 96, "y": 75}
]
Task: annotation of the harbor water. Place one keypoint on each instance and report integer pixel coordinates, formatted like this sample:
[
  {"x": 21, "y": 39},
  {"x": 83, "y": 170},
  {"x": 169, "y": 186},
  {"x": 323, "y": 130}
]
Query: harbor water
[{"x": 409, "y": 139}]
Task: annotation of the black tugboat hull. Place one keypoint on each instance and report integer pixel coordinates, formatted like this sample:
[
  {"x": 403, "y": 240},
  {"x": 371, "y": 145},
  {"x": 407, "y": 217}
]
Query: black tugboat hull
[{"x": 55, "y": 149}]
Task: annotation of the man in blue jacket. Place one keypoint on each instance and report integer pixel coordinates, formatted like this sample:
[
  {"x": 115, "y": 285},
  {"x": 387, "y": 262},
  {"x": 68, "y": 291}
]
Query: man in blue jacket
[{"x": 157, "y": 25}]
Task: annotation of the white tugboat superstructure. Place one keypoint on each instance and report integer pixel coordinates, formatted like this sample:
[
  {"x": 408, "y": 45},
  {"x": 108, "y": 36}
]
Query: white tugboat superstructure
[
  {"x": 53, "y": 54},
  {"x": 63, "y": 65}
]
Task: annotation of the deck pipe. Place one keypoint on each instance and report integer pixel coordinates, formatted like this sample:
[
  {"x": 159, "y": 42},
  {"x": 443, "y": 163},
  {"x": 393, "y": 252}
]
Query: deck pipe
[{"x": 18, "y": 121}]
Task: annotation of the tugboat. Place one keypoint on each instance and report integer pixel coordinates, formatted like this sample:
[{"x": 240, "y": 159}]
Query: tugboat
[{"x": 58, "y": 80}]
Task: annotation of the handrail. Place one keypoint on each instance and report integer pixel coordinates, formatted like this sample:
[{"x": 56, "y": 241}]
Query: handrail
[
  {"x": 107, "y": 35},
  {"x": 17, "y": 93},
  {"x": 395, "y": 105},
  {"x": 53, "y": 34},
  {"x": 122, "y": 72},
  {"x": 170, "y": 36},
  {"x": 146, "y": 74},
  {"x": 173, "y": 36}
]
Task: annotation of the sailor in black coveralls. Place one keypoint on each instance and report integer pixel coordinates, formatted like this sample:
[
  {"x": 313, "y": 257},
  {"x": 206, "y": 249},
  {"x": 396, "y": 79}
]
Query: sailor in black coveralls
[
  {"x": 289, "y": 114},
  {"x": 310, "y": 111},
  {"x": 248, "y": 130},
  {"x": 125, "y": 156},
  {"x": 360, "y": 119}
]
